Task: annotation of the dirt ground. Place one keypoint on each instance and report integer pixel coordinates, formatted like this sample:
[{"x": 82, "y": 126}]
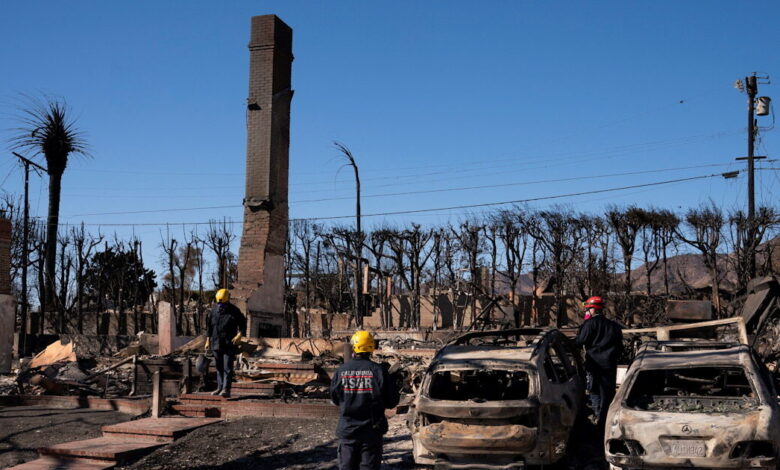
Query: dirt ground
[
  {"x": 268, "y": 443},
  {"x": 248, "y": 443},
  {"x": 23, "y": 429}
]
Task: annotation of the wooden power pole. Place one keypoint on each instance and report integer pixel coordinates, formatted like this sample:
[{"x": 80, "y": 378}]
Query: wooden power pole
[{"x": 25, "y": 247}]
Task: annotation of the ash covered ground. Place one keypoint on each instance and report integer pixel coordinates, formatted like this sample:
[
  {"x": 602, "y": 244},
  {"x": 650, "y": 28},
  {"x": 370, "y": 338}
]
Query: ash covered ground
[
  {"x": 269, "y": 443},
  {"x": 24, "y": 429}
]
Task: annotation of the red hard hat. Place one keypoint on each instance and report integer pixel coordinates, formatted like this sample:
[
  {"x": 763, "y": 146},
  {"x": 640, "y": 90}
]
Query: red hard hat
[{"x": 594, "y": 302}]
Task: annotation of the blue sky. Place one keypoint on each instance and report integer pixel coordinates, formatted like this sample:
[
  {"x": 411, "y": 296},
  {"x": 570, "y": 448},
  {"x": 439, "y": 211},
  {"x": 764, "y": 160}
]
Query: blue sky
[{"x": 428, "y": 95}]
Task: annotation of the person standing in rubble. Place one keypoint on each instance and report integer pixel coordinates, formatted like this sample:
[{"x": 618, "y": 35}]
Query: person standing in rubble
[
  {"x": 225, "y": 326},
  {"x": 602, "y": 339},
  {"x": 363, "y": 390}
]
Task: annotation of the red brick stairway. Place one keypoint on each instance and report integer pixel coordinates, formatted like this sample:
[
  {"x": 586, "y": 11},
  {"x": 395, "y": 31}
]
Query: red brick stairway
[{"x": 121, "y": 443}]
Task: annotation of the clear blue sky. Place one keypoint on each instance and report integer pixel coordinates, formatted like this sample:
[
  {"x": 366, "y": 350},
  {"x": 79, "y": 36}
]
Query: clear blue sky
[{"x": 428, "y": 95}]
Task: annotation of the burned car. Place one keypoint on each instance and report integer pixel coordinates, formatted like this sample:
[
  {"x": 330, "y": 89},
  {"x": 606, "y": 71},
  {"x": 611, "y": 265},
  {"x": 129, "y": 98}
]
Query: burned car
[
  {"x": 497, "y": 399},
  {"x": 694, "y": 404}
]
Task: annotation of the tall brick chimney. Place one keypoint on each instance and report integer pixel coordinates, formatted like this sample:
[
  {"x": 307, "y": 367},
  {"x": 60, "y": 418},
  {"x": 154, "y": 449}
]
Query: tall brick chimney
[{"x": 260, "y": 287}]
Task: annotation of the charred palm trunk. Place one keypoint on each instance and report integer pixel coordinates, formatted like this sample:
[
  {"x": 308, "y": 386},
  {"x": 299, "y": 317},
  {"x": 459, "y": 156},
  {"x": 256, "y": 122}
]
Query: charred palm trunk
[{"x": 52, "y": 222}]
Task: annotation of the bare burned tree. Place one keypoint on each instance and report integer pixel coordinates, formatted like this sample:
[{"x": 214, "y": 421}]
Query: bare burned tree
[
  {"x": 667, "y": 230},
  {"x": 418, "y": 254},
  {"x": 185, "y": 261},
  {"x": 532, "y": 225},
  {"x": 470, "y": 243},
  {"x": 84, "y": 244},
  {"x": 11, "y": 209},
  {"x": 200, "y": 265},
  {"x": 626, "y": 224},
  {"x": 305, "y": 234},
  {"x": 561, "y": 237},
  {"x": 514, "y": 238},
  {"x": 63, "y": 282},
  {"x": 38, "y": 261},
  {"x": 597, "y": 233},
  {"x": 168, "y": 246},
  {"x": 291, "y": 317},
  {"x": 338, "y": 246},
  {"x": 706, "y": 224},
  {"x": 436, "y": 256},
  {"x": 650, "y": 245},
  {"x": 377, "y": 241},
  {"x": 218, "y": 238},
  {"x": 746, "y": 241}
]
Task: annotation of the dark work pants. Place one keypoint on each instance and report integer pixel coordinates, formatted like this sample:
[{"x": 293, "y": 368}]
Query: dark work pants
[
  {"x": 224, "y": 362},
  {"x": 602, "y": 391},
  {"x": 360, "y": 454}
]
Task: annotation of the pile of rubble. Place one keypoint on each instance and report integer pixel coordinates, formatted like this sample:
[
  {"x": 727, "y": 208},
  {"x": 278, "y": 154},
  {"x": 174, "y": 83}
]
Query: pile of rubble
[{"x": 291, "y": 369}]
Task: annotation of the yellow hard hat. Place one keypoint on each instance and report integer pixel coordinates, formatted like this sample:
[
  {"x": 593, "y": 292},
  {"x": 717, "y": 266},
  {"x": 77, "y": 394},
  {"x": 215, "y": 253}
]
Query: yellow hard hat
[
  {"x": 223, "y": 295},
  {"x": 362, "y": 342}
]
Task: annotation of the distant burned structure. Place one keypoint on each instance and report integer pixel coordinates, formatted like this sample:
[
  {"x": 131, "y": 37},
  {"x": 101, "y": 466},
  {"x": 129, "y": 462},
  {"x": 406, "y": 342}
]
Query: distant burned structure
[{"x": 260, "y": 287}]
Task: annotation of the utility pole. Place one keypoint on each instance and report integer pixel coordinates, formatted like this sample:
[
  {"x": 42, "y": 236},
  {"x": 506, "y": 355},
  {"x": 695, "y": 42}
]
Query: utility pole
[
  {"x": 751, "y": 88},
  {"x": 25, "y": 243}
]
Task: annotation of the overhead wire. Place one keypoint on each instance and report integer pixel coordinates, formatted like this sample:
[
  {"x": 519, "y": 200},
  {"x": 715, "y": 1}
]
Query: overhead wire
[
  {"x": 460, "y": 167},
  {"x": 458, "y": 207},
  {"x": 520, "y": 183},
  {"x": 576, "y": 178}
]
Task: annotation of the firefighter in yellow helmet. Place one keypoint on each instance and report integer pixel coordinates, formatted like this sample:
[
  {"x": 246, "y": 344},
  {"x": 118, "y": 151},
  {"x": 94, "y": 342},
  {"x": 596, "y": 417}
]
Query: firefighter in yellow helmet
[
  {"x": 363, "y": 390},
  {"x": 225, "y": 326}
]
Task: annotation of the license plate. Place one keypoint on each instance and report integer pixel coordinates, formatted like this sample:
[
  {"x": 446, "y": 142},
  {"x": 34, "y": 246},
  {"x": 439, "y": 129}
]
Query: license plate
[{"x": 687, "y": 448}]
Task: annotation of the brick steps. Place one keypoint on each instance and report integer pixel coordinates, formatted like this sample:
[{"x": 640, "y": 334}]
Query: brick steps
[
  {"x": 54, "y": 463},
  {"x": 121, "y": 443},
  {"x": 205, "y": 405},
  {"x": 160, "y": 430},
  {"x": 196, "y": 411},
  {"x": 112, "y": 449}
]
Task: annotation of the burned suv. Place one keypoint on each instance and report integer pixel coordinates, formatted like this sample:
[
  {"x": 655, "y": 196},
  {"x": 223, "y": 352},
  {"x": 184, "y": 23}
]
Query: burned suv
[
  {"x": 497, "y": 399},
  {"x": 694, "y": 404}
]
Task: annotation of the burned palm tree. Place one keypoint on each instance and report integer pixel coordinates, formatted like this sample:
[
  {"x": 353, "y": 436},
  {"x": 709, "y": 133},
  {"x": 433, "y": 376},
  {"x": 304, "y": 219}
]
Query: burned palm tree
[{"x": 48, "y": 129}]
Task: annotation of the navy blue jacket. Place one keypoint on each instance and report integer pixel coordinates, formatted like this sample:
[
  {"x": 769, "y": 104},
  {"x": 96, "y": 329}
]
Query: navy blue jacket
[
  {"x": 224, "y": 322},
  {"x": 603, "y": 342},
  {"x": 363, "y": 390}
]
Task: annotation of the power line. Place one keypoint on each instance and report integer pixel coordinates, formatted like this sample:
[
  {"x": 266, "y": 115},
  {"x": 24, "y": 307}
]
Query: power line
[
  {"x": 519, "y": 201},
  {"x": 449, "y": 167},
  {"x": 232, "y": 206},
  {"x": 520, "y": 183},
  {"x": 576, "y": 178},
  {"x": 418, "y": 211}
]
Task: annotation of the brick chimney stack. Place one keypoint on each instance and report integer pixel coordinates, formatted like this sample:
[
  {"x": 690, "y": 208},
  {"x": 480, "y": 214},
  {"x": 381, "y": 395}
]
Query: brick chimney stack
[{"x": 260, "y": 288}]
